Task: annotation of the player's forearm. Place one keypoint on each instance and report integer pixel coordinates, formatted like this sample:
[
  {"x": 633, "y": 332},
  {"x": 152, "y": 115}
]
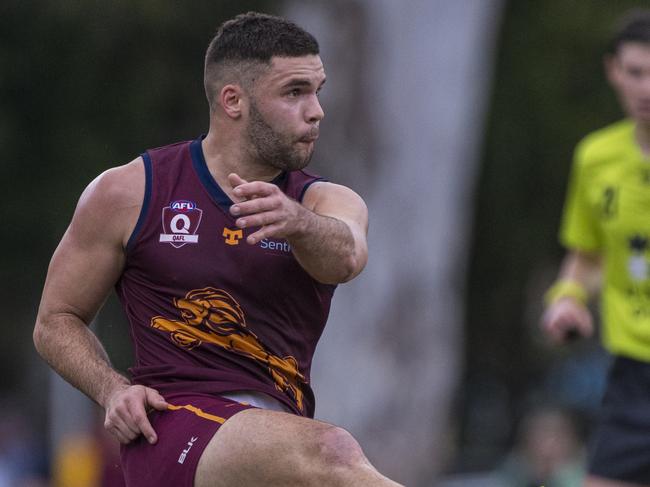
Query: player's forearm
[
  {"x": 76, "y": 354},
  {"x": 327, "y": 249}
]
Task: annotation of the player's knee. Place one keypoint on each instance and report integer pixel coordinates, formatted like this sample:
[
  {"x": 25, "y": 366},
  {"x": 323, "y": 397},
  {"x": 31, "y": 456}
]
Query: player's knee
[{"x": 337, "y": 449}]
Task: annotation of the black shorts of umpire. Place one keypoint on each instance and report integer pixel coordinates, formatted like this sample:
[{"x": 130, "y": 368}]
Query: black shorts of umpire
[{"x": 620, "y": 445}]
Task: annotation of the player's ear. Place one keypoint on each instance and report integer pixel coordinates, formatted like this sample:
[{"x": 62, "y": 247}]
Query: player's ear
[
  {"x": 231, "y": 99},
  {"x": 610, "y": 63}
]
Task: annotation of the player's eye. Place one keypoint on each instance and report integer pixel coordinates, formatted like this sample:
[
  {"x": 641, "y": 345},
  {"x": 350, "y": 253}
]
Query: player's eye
[{"x": 635, "y": 72}]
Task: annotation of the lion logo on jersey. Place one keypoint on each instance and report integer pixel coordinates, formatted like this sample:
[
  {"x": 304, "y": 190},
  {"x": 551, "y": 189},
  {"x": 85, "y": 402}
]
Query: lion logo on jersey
[{"x": 213, "y": 316}]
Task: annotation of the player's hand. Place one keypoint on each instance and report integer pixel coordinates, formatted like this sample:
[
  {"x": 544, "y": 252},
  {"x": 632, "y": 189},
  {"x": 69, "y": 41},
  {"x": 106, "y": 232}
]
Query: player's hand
[
  {"x": 567, "y": 319},
  {"x": 261, "y": 204},
  {"x": 126, "y": 412}
]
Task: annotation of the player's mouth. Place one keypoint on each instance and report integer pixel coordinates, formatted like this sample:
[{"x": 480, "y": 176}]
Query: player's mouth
[
  {"x": 310, "y": 137},
  {"x": 308, "y": 140}
]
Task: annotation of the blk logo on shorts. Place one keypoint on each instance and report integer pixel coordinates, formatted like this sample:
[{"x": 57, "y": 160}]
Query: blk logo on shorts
[
  {"x": 190, "y": 444},
  {"x": 180, "y": 222}
]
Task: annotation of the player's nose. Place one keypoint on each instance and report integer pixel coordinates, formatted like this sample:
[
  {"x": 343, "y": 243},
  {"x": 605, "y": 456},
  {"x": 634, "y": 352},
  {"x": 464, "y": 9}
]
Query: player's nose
[{"x": 314, "y": 111}]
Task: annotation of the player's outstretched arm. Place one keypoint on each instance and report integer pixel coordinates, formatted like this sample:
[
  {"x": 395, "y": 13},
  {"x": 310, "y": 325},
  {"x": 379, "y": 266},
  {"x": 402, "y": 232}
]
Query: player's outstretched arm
[
  {"x": 327, "y": 232},
  {"x": 83, "y": 269}
]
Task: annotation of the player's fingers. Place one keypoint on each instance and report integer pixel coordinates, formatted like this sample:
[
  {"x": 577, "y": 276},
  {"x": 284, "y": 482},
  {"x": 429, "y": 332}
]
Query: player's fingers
[
  {"x": 118, "y": 417},
  {"x": 155, "y": 400},
  {"x": 118, "y": 435},
  {"x": 256, "y": 189},
  {"x": 556, "y": 324},
  {"x": 235, "y": 180},
  {"x": 123, "y": 436},
  {"x": 264, "y": 232},
  {"x": 121, "y": 429},
  {"x": 137, "y": 418},
  {"x": 260, "y": 220},
  {"x": 548, "y": 321},
  {"x": 586, "y": 326},
  {"x": 568, "y": 328},
  {"x": 144, "y": 426},
  {"x": 576, "y": 324},
  {"x": 253, "y": 205},
  {"x": 577, "y": 317}
]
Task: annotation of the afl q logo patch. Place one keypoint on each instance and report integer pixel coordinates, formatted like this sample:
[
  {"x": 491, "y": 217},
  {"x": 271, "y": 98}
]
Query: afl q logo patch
[{"x": 180, "y": 222}]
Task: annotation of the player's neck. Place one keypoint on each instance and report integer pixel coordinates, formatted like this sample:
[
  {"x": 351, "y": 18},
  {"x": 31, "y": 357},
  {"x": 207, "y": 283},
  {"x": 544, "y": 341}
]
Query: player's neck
[
  {"x": 223, "y": 156},
  {"x": 642, "y": 134}
]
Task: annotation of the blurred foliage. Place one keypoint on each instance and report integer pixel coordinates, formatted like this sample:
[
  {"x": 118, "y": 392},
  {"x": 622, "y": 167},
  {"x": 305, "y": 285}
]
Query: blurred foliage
[
  {"x": 86, "y": 85},
  {"x": 549, "y": 91}
]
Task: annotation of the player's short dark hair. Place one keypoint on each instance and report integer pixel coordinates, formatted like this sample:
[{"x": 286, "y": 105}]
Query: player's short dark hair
[
  {"x": 246, "y": 43},
  {"x": 634, "y": 26}
]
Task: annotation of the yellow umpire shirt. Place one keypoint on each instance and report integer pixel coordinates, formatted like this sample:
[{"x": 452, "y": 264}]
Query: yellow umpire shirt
[{"x": 608, "y": 211}]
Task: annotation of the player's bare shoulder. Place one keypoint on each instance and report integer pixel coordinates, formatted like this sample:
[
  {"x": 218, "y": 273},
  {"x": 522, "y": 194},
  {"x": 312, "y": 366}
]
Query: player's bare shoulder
[
  {"x": 113, "y": 200},
  {"x": 122, "y": 186}
]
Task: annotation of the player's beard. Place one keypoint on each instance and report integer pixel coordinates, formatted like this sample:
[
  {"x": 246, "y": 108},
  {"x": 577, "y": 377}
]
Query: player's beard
[{"x": 274, "y": 148}]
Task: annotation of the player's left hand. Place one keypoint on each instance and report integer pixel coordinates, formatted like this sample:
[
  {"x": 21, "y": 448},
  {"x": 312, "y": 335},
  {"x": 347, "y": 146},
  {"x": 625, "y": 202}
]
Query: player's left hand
[{"x": 264, "y": 205}]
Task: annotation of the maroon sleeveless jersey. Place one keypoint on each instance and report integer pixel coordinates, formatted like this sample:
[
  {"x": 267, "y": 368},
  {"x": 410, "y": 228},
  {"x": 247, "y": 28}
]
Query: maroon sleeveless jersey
[{"x": 210, "y": 313}]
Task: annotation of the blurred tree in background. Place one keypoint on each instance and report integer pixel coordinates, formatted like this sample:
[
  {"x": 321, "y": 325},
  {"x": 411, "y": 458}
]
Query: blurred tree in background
[{"x": 549, "y": 92}]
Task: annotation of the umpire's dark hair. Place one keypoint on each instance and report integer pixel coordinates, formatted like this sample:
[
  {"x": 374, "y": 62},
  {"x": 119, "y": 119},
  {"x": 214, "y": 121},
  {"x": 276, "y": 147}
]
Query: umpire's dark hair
[
  {"x": 634, "y": 26},
  {"x": 247, "y": 42}
]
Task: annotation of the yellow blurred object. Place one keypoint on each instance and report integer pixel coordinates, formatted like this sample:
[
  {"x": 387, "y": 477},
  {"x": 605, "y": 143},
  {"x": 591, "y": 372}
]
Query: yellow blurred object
[
  {"x": 566, "y": 288},
  {"x": 77, "y": 463}
]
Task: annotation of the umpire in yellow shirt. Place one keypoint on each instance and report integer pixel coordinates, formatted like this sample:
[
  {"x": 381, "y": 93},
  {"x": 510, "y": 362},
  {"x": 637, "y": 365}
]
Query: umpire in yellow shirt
[{"x": 606, "y": 230}]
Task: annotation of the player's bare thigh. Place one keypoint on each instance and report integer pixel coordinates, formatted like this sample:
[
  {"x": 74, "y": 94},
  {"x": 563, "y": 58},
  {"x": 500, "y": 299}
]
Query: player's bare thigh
[
  {"x": 261, "y": 447},
  {"x": 592, "y": 481}
]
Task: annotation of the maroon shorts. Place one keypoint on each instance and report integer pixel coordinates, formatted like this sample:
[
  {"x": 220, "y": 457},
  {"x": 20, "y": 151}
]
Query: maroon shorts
[{"x": 183, "y": 433}]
